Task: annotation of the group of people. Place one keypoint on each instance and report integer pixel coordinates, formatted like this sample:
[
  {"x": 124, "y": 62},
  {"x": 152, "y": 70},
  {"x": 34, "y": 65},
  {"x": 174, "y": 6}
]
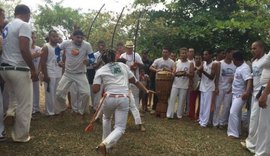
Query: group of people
[
  {"x": 225, "y": 85},
  {"x": 212, "y": 91}
]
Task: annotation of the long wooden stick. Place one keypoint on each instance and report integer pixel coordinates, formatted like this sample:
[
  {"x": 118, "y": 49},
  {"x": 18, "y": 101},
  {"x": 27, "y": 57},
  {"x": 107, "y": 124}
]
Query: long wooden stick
[
  {"x": 91, "y": 26},
  {"x": 90, "y": 126},
  {"x": 116, "y": 26}
]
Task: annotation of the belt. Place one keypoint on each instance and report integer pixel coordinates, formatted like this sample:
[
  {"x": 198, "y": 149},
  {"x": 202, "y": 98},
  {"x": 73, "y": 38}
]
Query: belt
[
  {"x": 4, "y": 68},
  {"x": 117, "y": 95}
]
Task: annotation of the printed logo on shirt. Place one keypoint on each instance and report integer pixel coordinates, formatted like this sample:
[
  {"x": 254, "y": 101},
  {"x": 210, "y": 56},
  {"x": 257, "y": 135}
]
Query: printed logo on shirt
[
  {"x": 227, "y": 72},
  {"x": 256, "y": 71},
  {"x": 75, "y": 52},
  {"x": 115, "y": 69},
  {"x": 238, "y": 76}
]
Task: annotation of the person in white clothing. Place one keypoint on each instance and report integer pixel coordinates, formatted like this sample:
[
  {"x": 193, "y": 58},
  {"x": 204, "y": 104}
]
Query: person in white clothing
[
  {"x": 161, "y": 64},
  {"x": 2, "y": 126},
  {"x": 77, "y": 54},
  {"x": 263, "y": 136},
  {"x": 115, "y": 76},
  {"x": 258, "y": 50},
  {"x": 134, "y": 61},
  {"x": 183, "y": 71},
  {"x": 226, "y": 70},
  {"x": 36, "y": 51},
  {"x": 17, "y": 69},
  {"x": 207, "y": 87},
  {"x": 52, "y": 72},
  {"x": 98, "y": 63},
  {"x": 241, "y": 90}
]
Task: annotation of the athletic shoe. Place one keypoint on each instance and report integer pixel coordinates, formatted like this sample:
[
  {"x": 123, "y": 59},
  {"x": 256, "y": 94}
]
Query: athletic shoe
[{"x": 101, "y": 149}]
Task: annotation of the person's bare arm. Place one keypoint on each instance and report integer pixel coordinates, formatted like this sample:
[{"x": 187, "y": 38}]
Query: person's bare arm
[
  {"x": 96, "y": 88},
  {"x": 248, "y": 90},
  {"x": 263, "y": 97},
  {"x": 43, "y": 65},
  {"x": 26, "y": 54},
  {"x": 212, "y": 75}
]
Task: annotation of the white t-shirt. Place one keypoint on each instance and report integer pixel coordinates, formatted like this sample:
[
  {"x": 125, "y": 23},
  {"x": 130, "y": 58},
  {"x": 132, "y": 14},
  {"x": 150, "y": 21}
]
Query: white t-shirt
[
  {"x": 53, "y": 68},
  {"x": 256, "y": 74},
  {"x": 161, "y": 63},
  {"x": 183, "y": 81},
  {"x": 114, "y": 77},
  {"x": 265, "y": 77},
  {"x": 75, "y": 55},
  {"x": 206, "y": 84},
  {"x": 11, "y": 48},
  {"x": 226, "y": 75},
  {"x": 130, "y": 61},
  {"x": 242, "y": 73},
  {"x": 37, "y": 59}
]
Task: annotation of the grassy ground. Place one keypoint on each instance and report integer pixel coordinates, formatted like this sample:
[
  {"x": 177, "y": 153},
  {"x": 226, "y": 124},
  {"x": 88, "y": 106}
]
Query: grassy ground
[{"x": 65, "y": 136}]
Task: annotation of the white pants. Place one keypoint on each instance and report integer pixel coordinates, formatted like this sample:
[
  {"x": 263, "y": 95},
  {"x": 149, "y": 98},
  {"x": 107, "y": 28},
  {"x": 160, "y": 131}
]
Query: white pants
[
  {"x": 253, "y": 125},
  {"x": 234, "y": 125},
  {"x": 76, "y": 101},
  {"x": 134, "y": 110},
  {"x": 50, "y": 98},
  {"x": 20, "y": 83},
  {"x": 92, "y": 97},
  {"x": 35, "y": 97},
  {"x": 5, "y": 98},
  {"x": 97, "y": 97},
  {"x": 2, "y": 126},
  {"x": 225, "y": 99},
  {"x": 263, "y": 137},
  {"x": 181, "y": 94},
  {"x": 63, "y": 87},
  {"x": 136, "y": 94},
  {"x": 120, "y": 107},
  {"x": 205, "y": 105}
]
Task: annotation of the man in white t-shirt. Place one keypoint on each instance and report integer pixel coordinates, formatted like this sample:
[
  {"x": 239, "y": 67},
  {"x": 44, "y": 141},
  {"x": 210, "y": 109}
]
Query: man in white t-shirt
[
  {"x": 258, "y": 50},
  {"x": 115, "y": 76},
  {"x": 183, "y": 71},
  {"x": 76, "y": 52},
  {"x": 241, "y": 90},
  {"x": 161, "y": 64},
  {"x": 17, "y": 69}
]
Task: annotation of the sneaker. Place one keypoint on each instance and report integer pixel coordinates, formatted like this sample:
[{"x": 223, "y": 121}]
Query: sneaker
[
  {"x": 2, "y": 136},
  {"x": 101, "y": 149},
  {"x": 152, "y": 112},
  {"x": 142, "y": 128},
  {"x": 243, "y": 144}
]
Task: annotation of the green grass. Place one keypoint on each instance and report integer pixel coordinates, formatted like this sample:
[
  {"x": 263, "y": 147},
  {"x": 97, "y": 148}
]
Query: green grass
[{"x": 66, "y": 136}]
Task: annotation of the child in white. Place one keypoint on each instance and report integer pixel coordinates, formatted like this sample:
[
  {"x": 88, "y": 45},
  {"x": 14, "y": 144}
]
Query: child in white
[
  {"x": 180, "y": 85},
  {"x": 241, "y": 88}
]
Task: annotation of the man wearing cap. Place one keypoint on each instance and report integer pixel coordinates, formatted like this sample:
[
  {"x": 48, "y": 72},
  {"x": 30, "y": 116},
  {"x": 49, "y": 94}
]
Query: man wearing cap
[
  {"x": 134, "y": 61},
  {"x": 17, "y": 70}
]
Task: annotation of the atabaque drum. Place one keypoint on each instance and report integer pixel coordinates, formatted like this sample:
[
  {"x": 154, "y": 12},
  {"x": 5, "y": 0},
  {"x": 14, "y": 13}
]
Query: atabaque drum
[{"x": 164, "y": 82}]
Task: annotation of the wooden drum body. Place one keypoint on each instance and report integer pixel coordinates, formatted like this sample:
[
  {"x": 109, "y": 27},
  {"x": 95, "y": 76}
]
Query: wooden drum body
[{"x": 164, "y": 82}]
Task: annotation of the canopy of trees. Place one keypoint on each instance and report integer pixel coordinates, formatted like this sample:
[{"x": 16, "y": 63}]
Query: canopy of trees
[{"x": 182, "y": 23}]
